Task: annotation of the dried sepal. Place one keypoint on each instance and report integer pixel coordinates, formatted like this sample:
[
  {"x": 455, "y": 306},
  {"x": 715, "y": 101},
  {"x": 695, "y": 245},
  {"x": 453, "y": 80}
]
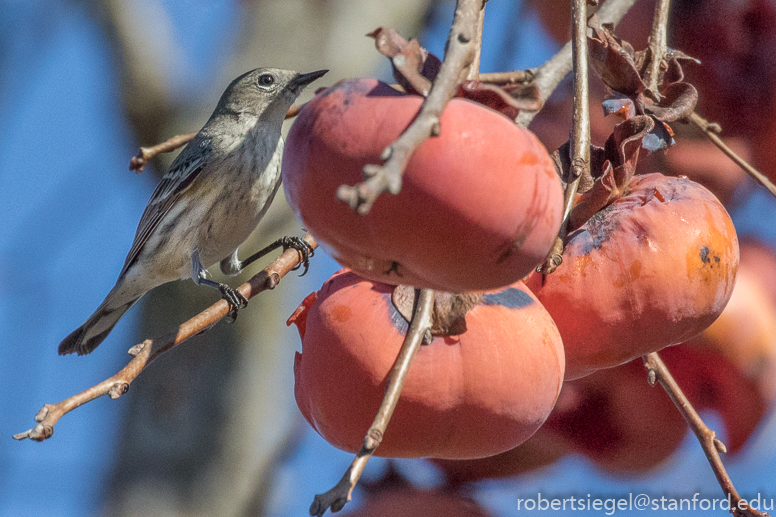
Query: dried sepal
[
  {"x": 507, "y": 99},
  {"x": 450, "y": 309},
  {"x": 414, "y": 67},
  {"x": 613, "y": 59},
  {"x": 613, "y": 167},
  {"x": 622, "y": 69},
  {"x": 678, "y": 102}
]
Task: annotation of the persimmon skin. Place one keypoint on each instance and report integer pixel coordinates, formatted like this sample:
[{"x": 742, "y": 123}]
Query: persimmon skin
[
  {"x": 651, "y": 270},
  {"x": 542, "y": 449},
  {"x": 480, "y": 203},
  {"x": 615, "y": 418},
  {"x": 467, "y": 396}
]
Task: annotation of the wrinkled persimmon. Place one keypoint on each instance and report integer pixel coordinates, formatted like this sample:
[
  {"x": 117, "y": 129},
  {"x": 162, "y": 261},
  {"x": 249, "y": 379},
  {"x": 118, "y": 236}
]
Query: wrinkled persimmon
[{"x": 652, "y": 269}]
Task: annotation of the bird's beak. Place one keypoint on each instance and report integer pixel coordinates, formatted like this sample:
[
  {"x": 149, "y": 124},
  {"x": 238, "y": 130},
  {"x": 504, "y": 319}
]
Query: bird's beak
[{"x": 302, "y": 80}]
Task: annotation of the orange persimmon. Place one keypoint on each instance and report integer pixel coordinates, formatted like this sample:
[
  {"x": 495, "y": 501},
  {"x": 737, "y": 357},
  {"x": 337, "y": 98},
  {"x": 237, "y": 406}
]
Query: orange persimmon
[
  {"x": 470, "y": 395},
  {"x": 652, "y": 269},
  {"x": 480, "y": 203}
]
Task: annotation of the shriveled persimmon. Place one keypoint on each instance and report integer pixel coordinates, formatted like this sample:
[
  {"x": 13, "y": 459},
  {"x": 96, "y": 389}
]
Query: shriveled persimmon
[
  {"x": 480, "y": 203},
  {"x": 652, "y": 269},
  {"x": 474, "y": 394}
]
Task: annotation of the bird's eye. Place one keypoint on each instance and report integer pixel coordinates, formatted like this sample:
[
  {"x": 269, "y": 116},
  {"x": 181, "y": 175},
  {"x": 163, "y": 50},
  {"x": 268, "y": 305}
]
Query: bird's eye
[{"x": 266, "y": 80}]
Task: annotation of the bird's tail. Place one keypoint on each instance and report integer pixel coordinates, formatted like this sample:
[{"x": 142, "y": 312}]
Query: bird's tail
[{"x": 85, "y": 338}]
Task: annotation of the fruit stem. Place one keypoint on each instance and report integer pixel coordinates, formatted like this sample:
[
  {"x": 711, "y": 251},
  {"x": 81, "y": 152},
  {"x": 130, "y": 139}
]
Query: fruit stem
[
  {"x": 658, "y": 373},
  {"x": 337, "y": 497},
  {"x": 580, "y": 134},
  {"x": 711, "y": 131}
]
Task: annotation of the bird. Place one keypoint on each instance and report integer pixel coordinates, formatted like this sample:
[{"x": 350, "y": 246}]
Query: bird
[{"x": 209, "y": 201}]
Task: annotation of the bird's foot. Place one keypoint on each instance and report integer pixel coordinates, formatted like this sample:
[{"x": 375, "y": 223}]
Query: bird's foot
[
  {"x": 304, "y": 249},
  {"x": 235, "y": 299}
]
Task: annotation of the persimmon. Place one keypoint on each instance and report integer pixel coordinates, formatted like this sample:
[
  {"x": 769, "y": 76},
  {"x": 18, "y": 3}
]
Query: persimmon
[
  {"x": 480, "y": 204},
  {"x": 757, "y": 256},
  {"x": 734, "y": 360},
  {"x": 470, "y": 395},
  {"x": 544, "y": 448},
  {"x": 652, "y": 269},
  {"x": 616, "y": 419}
]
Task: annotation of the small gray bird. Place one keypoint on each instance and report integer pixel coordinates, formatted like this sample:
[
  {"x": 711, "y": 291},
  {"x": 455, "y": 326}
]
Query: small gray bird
[{"x": 209, "y": 201}]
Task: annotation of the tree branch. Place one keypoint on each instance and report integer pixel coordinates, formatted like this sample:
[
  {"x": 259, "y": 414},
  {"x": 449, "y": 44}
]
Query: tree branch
[
  {"x": 474, "y": 67},
  {"x": 550, "y": 74},
  {"x": 337, "y": 497},
  {"x": 138, "y": 162},
  {"x": 712, "y": 446},
  {"x": 657, "y": 48},
  {"x": 711, "y": 130},
  {"x": 150, "y": 349},
  {"x": 459, "y": 55},
  {"x": 516, "y": 77},
  {"x": 580, "y": 134}
]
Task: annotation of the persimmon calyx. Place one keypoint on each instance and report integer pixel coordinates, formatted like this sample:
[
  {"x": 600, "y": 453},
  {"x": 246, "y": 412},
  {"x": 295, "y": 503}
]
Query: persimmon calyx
[{"x": 450, "y": 309}]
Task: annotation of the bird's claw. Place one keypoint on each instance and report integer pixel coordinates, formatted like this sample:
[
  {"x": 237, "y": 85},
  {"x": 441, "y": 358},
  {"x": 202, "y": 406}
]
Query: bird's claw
[
  {"x": 304, "y": 249},
  {"x": 235, "y": 299}
]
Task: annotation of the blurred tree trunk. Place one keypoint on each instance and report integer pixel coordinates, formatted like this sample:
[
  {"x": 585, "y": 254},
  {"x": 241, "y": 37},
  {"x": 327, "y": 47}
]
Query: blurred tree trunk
[{"x": 205, "y": 425}]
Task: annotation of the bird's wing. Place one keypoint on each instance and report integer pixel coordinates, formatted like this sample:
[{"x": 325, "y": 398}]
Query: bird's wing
[{"x": 183, "y": 171}]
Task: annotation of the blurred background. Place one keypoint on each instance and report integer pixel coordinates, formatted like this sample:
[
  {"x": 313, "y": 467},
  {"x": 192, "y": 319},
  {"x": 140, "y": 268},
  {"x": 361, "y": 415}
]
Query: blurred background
[{"x": 211, "y": 428}]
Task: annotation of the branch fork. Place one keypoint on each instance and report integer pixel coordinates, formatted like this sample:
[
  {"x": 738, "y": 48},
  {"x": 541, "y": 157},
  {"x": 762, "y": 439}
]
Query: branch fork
[{"x": 461, "y": 51}]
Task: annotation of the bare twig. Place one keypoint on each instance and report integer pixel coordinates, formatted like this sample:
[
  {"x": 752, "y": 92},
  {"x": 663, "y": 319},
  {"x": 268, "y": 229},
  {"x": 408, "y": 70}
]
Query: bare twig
[
  {"x": 474, "y": 67},
  {"x": 580, "y": 133},
  {"x": 657, "y": 48},
  {"x": 147, "y": 351},
  {"x": 551, "y": 73},
  {"x": 711, "y": 131},
  {"x": 712, "y": 446},
  {"x": 337, "y": 497},
  {"x": 459, "y": 55},
  {"x": 138, "y": 162},
  {"x": 516, "y": 77}
]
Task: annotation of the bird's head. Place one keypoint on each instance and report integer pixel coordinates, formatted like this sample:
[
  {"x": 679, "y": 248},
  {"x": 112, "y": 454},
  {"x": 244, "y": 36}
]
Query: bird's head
[{"x": 265, "y": 92}]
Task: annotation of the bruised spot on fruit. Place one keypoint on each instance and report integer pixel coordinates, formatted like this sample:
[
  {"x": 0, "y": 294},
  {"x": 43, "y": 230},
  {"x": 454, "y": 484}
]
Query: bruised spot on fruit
[
  {"x": 528, "y": 159},
  {"x": 581, "y": 262},
  {"x": 397, "y": 319},
  {"x": 512, "y": 247},
  {"x": 341, "y": 313},
  {"x": 635, "y": 270},
  {"x": 705, "y": 254},
  {"x": 599, "y": 227},
  {"x": 709, "y": 266},
  {"x": 706, "y": 258},
  {"x": 510, "y": 298}
]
